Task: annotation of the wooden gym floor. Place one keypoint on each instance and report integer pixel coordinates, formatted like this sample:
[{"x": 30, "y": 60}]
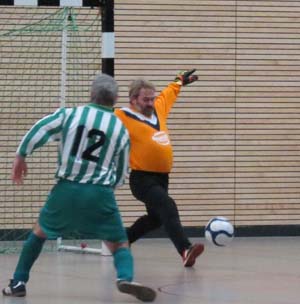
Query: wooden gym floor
[{"x": 250, "y": 270}]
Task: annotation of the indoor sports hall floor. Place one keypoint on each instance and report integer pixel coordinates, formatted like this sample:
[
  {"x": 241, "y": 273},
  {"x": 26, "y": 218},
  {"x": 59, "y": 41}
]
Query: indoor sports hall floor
[{"x": 250, "y": 270}]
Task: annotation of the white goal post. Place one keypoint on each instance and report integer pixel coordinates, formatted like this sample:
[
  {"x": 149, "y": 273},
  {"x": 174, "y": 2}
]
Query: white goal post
[{"x": 83, "y": 248}]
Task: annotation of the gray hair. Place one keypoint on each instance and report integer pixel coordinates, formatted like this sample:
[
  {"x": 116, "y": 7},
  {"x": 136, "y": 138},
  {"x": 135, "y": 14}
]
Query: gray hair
[{"x": 104, "y": 90}]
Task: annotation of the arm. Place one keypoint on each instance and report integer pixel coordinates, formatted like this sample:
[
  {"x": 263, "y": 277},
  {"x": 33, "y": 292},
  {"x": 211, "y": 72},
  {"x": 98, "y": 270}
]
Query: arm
[
  {"x": 19, "y": 170},
  {"x": 45, "y": 130},
  {"x": 168, "y": 96}
]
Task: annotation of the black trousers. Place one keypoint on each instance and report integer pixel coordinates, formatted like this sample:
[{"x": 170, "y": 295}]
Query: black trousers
[{"x": 152, "y": 189}]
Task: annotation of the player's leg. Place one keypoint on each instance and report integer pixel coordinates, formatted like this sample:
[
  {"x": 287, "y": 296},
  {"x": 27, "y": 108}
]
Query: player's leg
[
  {"x": 188, "y": 251},
  {"x": 142, "y": 226},
  {"x": 31, "y": 250},
  {"x": 123, "y": 262},
  {"x": 54, "y": 219},
  {"x": 159, "y": 203},
  {"x": 166, "y": 207},
  {"x": 100, "y": 216},
  {"x": 152, "y": 189},
  {"x": 139, "y": 185}
]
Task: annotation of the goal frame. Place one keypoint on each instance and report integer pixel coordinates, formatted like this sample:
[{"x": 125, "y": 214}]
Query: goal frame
[{"x": 106, "y": 9}]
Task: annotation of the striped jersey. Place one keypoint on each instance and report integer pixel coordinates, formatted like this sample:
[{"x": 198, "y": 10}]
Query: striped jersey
[
  {"x": 93, "y": 144},
  {"x": 151, "y": 148}
]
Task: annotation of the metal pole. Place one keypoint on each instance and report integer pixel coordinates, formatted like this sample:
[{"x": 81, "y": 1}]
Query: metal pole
[
  {"x": 108, "y": 37},
  {"x": 63, "y": 72}
]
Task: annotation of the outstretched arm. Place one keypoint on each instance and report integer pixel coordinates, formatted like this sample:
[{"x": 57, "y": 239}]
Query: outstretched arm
[{"x": 168, "y": 96}]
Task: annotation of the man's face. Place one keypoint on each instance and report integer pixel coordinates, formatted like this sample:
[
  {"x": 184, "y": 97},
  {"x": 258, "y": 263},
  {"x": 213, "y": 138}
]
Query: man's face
[{"x": 144, "y": 103}]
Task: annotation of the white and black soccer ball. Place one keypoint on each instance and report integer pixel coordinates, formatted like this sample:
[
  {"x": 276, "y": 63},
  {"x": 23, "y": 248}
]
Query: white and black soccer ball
[{"x": 219, "y": 231}]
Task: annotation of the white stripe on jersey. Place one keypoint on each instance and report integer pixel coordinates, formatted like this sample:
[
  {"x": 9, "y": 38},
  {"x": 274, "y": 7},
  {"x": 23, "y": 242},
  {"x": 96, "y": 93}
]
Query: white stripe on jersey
[
  {"x": 110, "y": 151},
  {"x": 67, "y": 146}
]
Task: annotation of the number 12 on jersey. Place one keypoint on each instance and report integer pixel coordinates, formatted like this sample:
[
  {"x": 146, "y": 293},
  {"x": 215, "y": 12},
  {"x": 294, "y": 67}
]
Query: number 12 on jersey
[{"x": 96, "y": 139}]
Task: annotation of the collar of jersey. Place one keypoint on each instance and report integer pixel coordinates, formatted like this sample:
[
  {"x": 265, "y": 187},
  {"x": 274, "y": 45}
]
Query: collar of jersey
[
  {"x": 152, "y": 120},
  {"x": 109, "y": 109}
]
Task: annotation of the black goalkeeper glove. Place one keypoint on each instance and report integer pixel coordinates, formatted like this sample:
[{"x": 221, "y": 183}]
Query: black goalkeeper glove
[{"x": 186, "y": 77}]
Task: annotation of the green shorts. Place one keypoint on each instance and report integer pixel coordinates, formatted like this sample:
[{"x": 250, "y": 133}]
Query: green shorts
[{"x": 87, "y": 209}]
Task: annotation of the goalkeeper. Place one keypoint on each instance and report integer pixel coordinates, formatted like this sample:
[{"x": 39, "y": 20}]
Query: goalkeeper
[
  {"x": 151, "y": 160},
  {"x": 92, "y": 161}
]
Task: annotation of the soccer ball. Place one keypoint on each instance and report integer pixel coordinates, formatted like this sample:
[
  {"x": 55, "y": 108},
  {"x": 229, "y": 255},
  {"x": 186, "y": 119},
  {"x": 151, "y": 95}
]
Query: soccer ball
[{"x": 219, "y": 231}]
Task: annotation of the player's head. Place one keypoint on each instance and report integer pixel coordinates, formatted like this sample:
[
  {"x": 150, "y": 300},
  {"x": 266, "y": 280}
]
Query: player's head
[
  {"x": 104, "y": 90},
  {"x": 142, "y": 96}
]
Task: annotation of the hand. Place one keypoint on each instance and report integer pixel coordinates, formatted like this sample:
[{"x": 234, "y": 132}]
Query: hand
[
  {"x": 186, "y": 77},
  {"x": 19, "y": 170}
]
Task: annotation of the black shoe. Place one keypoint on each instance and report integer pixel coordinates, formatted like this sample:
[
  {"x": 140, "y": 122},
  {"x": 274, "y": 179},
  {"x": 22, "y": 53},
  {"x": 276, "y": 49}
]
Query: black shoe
[
  {"x": 143, "y": 293},
  {"x": 15, "y": 289}
]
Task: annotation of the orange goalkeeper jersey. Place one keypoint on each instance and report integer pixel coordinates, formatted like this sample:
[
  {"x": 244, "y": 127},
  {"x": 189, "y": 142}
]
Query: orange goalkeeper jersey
[{"x": 151, "y": 149}]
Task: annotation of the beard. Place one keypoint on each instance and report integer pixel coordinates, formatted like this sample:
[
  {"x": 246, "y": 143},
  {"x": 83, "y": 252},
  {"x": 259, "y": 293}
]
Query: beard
[{"x": 148, "y": 111}]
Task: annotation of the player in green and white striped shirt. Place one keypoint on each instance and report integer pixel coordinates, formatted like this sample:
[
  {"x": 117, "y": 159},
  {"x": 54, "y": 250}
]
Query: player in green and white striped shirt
[
  {"x": 93, "y": 144},
  {"x": 92, "y": 161}
]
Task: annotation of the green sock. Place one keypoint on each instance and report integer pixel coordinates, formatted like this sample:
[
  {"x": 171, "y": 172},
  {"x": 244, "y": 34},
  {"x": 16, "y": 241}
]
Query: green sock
[
  {"x": 31, "y": 250},
  {"x": 123, "y": 262}
]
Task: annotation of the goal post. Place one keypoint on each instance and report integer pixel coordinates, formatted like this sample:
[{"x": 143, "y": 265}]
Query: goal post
[
  {"x": 48, "y": 57},
  {"x": 83, "y": 247}
]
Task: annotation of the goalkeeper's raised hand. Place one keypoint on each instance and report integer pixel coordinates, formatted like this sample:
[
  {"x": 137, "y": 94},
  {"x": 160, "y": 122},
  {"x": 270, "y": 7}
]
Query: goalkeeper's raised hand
[{"x": 186, "y": 77}]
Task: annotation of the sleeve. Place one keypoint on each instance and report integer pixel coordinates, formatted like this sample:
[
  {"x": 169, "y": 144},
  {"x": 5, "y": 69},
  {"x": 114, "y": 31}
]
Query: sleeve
[
  {"x": 45, "y": 130},
  {"x": 120, "y": 114},
  {"x": 117, "y": 112},
  {"x": 121, "y": 159},
  {"x": 167, "y": 97}
]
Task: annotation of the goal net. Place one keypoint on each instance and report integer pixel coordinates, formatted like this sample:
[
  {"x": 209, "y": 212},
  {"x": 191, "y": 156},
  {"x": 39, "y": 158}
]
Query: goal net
[{"x": 48, "y": 57}]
